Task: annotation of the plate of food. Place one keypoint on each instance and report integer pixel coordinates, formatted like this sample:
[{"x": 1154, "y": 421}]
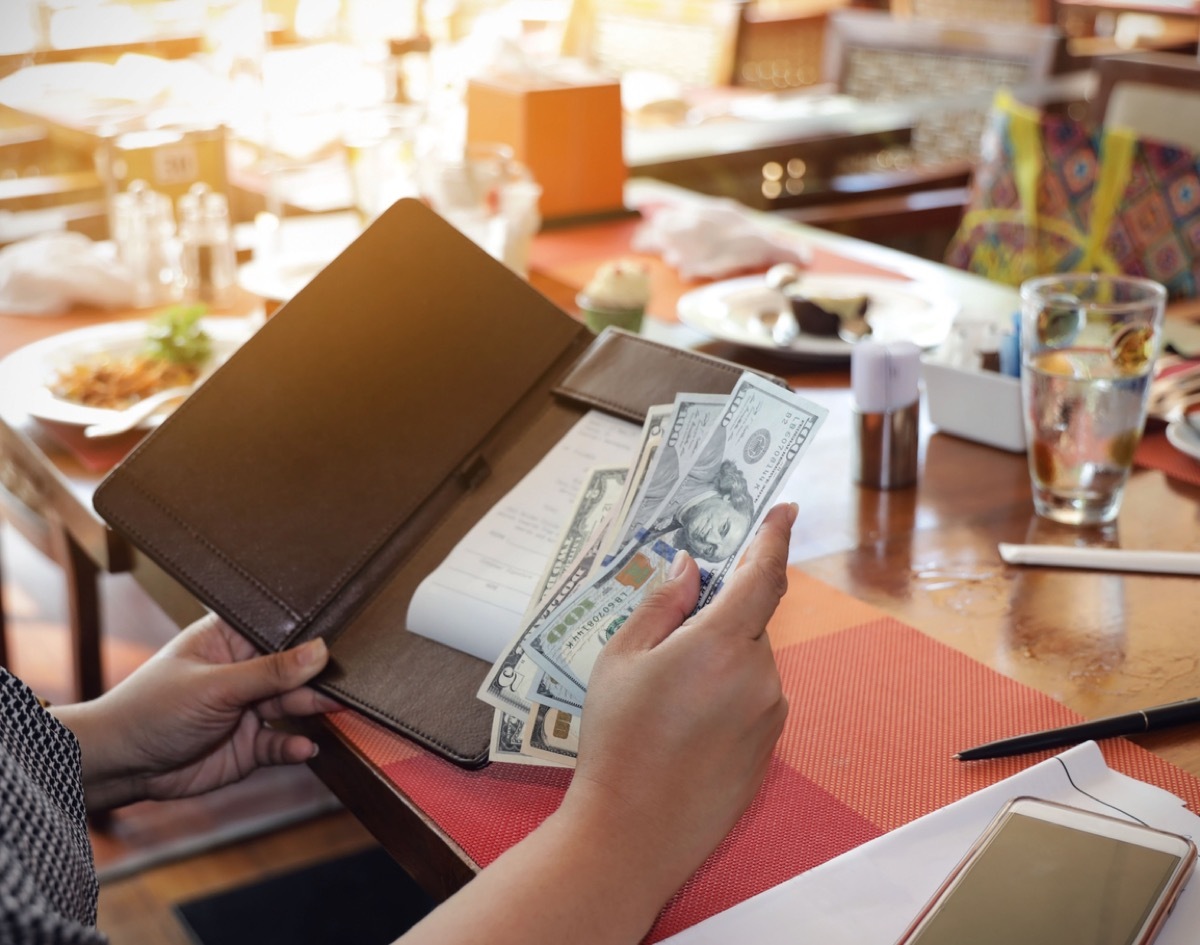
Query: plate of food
[
  {"x": 89, "y": 375},
  {"x": 818, "y": 315}
]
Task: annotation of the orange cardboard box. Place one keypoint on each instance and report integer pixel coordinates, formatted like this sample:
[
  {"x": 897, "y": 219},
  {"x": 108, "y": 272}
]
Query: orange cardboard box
[{"x": 568, "y": 135}]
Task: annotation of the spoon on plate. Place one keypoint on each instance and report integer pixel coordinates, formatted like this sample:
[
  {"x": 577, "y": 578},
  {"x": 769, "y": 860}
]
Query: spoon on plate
[
  {"x": 781, "y": 325},
  {"x": 855, "y": 329},
  {"x": 129, "y": 418},
  {"x": 781, "y": 322}
]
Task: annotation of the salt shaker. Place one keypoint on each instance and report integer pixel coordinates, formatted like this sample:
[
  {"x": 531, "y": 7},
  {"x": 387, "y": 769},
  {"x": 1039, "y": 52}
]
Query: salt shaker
[
  {"x": 884, "y": 379},
  {"x": 143, "y": 229},
  {"x": 208, "y": 259}
]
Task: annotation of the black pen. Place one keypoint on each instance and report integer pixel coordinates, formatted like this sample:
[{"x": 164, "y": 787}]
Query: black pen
[{"x": 1144, "y": 720}]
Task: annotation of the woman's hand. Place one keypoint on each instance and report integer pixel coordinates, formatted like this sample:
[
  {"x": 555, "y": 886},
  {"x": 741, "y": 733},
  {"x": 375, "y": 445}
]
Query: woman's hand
[
  {"x": 680, "y": 719},
  {"x": 682, "y": 713},
  {"x": 191, "y": 718}
]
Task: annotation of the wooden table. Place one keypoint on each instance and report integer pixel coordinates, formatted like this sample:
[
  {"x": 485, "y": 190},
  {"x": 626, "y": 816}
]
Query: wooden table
[{"x": 1100, "y": 643}]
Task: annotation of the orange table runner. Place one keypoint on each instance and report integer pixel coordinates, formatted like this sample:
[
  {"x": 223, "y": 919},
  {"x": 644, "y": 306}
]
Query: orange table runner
[{"x": 876, "y": 711}]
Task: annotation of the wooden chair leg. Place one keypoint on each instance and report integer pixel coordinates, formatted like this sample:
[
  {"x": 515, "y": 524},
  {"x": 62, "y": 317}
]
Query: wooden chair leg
[
  {"x": 83, "y": 613},
  {"x": 83, "y": 597},
  {"x": 83, "y": 610}
]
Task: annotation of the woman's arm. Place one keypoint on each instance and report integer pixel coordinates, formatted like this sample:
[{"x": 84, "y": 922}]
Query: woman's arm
[
  {"x": 681, "y": 717},
  {"x": 192, "y": 717}
]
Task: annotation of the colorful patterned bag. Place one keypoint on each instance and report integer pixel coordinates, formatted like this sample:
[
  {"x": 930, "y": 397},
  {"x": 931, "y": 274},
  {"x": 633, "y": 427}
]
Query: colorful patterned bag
[{"x": 1051, "y": 194}]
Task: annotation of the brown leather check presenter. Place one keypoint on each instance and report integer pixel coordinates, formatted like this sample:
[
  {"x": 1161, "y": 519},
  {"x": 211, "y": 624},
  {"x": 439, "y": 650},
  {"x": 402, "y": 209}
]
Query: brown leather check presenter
[{"x": 315, "y": 479}]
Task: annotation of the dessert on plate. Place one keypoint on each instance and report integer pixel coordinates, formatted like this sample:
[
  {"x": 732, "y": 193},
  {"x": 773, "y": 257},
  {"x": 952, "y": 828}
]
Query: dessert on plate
[
  {"x": 616, "y": 295},
  {"x": 831, "y": 316},
  {"x": 821, "y": 315}
]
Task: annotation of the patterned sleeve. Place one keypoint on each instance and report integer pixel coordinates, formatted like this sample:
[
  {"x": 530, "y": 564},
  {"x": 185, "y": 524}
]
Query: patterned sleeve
[{"x": 48, "y": 886}]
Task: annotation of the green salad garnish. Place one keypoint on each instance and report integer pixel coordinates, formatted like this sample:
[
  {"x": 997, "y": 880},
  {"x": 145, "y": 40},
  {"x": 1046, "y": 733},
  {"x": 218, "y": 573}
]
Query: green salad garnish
[{"x": 176, "y": 336}]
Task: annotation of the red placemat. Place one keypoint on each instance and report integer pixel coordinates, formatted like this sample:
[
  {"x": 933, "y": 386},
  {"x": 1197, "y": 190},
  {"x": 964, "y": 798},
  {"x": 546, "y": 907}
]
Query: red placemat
[
  {"x": 876, "y": 711},
  {"x": 1156, "y": 452},
  {"x": 98, "y": 455}
]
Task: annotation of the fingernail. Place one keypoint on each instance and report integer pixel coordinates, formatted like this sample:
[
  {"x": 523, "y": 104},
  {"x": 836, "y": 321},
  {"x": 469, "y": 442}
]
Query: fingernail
[
  {"x": 677, "y": 565},
  {"x": 316, "y": 748},
  {"x": 792, "y": 511},
  {"x": 311, "y": 653}
]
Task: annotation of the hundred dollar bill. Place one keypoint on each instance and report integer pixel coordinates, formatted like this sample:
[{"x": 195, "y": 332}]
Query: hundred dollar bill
[
  {"x": 711, "y": 512},
  {"x": 551, "y": 736},
  {"x": 510, "y": 677},
  {"x": 507, "y": 738},
  {"x": 652, "y": 435},
  {"x": 568, "y": 640},
  {"x": 687, "y": 429},
  {"x": 727, "y": 490}
]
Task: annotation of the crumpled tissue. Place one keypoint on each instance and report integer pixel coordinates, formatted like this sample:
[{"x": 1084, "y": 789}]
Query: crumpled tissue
[
  {"x": 711, "y": 239},
  {"x": 50, "y": 273}
]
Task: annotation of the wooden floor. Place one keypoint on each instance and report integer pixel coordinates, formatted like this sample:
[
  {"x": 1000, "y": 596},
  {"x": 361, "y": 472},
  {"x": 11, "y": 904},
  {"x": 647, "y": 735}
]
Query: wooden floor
[
  {"x": 139, "y": 909},
  {"x": 229, "y": 838}
]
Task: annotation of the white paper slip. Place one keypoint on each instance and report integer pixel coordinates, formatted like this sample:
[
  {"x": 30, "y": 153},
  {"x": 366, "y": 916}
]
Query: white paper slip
[
  {"x": 871, "y": 893},
  {"x": 1103, "y": 559},
  {"x": 473, "y": 601}
]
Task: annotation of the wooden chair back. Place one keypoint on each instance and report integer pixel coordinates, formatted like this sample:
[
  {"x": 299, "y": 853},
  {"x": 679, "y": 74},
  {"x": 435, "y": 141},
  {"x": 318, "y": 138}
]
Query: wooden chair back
[
  {"x": 981, "y": 11},
  {"x": 692, "y": 41},
  {"x": 1157, "y": 95},
  {"x": 878, "y": 57},
  {"x": 777, "y": 51}
]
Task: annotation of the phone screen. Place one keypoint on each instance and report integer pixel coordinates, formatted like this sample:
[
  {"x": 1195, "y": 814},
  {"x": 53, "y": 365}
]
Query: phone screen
[{"x": 1041, "y": 883}]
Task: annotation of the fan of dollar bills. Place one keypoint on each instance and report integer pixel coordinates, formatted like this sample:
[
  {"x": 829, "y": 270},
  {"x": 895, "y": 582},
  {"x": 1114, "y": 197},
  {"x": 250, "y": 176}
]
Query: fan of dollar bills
[{"x": 707, "y": 470}]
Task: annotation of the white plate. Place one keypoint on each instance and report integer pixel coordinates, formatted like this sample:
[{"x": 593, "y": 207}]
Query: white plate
[
  {"x": 1182, "y": 436},
  {"x": 26, "y": 373},
  {"x": 899, "y": 311}
]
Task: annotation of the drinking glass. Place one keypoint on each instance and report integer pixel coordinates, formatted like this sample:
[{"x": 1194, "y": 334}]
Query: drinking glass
[
  {"x": 487, "y": 194},
  {"x": 1088, "y": 346},
  {"x": 381, "y": 151}
]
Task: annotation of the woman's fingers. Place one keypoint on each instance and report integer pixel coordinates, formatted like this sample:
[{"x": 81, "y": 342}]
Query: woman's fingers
[
  {"x": 660, "y": 614},
  {"x": 751, "y": 595}
]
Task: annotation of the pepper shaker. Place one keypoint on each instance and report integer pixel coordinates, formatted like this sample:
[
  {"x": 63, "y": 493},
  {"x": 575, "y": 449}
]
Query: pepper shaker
[
  {"x": 884, "y": 379},
  {"x": 209, "y": 263}
]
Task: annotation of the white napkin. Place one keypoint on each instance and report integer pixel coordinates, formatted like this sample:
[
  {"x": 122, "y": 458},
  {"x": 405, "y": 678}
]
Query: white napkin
[
  {"x": 711, "y": 239},
  {"x": 48, "y": 274}
]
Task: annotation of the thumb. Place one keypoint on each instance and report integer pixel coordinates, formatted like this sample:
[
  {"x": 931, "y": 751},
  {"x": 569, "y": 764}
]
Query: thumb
[
  {"x": 262, "y": 677},
  {"x": 660, "y": 614}
]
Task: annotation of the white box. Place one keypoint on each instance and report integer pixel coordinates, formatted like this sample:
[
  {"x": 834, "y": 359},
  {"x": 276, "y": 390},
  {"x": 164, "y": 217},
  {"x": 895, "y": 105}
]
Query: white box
[{"x": 984, "y": 406}]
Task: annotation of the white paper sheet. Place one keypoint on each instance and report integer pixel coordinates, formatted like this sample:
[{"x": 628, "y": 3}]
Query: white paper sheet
[
  {"x": 473, "y": 601},
  {"x": 869, "y": 895}
]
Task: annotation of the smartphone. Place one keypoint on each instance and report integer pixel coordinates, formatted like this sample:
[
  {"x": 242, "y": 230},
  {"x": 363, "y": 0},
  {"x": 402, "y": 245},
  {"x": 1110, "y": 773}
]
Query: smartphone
[{"x": 1049, "y": 874}]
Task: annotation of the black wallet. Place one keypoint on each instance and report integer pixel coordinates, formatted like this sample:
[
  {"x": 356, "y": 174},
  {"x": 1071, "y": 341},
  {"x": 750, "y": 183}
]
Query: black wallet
[{"x": 310, "y": 484}]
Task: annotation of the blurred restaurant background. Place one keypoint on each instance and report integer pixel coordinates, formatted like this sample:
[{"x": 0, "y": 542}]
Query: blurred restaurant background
[{"x": 299, "y": 120}]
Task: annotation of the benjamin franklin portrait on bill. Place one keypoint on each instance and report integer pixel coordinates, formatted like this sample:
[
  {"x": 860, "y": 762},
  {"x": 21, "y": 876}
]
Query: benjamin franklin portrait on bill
[{"x": 710, "y": 511}]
